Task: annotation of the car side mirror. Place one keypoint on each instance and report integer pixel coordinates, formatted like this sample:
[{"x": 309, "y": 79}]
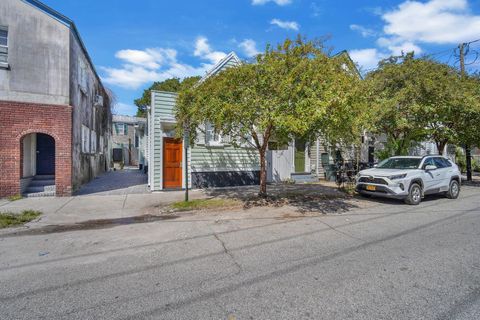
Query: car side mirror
[{"x": 430, "y": 167}]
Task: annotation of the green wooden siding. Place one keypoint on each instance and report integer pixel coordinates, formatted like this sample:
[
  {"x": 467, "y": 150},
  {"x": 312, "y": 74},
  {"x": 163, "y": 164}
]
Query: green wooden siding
[
  {"x": 162, "y": 111},
  {"x": 226, "y": 158}
]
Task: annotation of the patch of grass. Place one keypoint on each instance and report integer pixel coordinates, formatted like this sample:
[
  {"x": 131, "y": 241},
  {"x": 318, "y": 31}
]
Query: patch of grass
[
  {"x": 8, "y": 219},
  {"x": 348, "y": 189},
  {"x": 15, "y": 197},
  {"x": 201, "y": 204}
]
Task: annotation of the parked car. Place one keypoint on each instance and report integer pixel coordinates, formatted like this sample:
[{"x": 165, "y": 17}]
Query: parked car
[{"x": 410, "y": 178}]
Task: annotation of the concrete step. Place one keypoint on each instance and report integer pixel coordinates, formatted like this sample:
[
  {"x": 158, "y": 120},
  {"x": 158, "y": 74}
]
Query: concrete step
[
  {"x": 35, "y": 183},
  {"x": 39, "y": 194},
  {"x": 303, "y": 177},
  {"x": 35, "y": 189},
  {"x": 44, "y": 177}
]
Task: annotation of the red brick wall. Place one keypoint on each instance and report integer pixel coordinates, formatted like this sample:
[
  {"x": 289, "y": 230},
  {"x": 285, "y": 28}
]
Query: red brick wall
[{"x": 19, "y": 119}]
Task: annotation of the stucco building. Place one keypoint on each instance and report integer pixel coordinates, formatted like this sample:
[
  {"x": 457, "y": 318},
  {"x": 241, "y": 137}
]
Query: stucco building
[
  {"x": 54, "y": 111},
  {"x": 129, "y": 136}
]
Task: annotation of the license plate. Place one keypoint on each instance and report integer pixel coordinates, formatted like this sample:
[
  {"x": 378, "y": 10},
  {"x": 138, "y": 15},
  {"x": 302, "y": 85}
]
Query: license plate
[{"x": 371, "y": 188}]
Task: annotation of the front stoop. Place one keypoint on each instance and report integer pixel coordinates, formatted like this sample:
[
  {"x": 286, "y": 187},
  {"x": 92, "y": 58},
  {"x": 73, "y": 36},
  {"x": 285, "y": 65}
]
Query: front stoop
[
  {"x": 41, "y": 186},
  {"x": 303, "y": 177}
]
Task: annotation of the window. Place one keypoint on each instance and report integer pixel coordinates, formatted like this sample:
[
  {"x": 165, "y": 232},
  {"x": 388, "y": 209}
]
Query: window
[
  {"x": 212, "y": 137},
  {"x": 440, "y": 162},
  {"x": 121, "y": 128},
  {"x": 400, "y": 163},
  {"x": 93, "y": 140},
  {"x": 101, "y": 145},
  {"x": 428, "y": 162},
  {"x": 3, "y": 47},
  {"x": 137, "y": 141},
  {"x": 85, "y": 139},
  {"x": 82, "y": 76}
]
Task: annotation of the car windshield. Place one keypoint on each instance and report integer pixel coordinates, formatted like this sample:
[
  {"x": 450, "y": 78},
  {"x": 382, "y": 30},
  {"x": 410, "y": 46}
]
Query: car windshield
[{"x": 400, "y": 163}]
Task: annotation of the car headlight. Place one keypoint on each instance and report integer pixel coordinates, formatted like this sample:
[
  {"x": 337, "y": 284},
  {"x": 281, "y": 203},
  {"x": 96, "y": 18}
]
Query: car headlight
[{"x": 398, "y": 176}]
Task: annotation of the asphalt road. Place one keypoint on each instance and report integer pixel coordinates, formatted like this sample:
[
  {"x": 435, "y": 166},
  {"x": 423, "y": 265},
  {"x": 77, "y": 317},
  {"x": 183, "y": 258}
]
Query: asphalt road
[{"x": 390, "y": 261}]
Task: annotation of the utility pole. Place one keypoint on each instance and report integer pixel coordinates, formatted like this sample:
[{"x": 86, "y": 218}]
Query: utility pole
[{"x": 468, "y": 151}]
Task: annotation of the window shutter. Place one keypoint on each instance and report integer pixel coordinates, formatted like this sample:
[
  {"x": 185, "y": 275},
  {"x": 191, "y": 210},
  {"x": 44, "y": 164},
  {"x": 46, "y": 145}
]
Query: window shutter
[
  {"x": 116, "y": 128},
  {"x": 201, "y": 137}
]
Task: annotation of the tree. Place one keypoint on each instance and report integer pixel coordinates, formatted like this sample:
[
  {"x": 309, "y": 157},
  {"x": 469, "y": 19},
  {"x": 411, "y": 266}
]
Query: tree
[
  {"x": 293, "y": 90},
  {"x": 467, "y": 124},
  {"x": 170, "y": 85},
  {"x": 415, "y": 99}
]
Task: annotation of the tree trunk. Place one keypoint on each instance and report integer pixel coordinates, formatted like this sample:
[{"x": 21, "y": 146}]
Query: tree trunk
[
  {"x": 441, "y": 146},
  {"x": 263, "y": 173},
  {"x": 468, "y": 155}
]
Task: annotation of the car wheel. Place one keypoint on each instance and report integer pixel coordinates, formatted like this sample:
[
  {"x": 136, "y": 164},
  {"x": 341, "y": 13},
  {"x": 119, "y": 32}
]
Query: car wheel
[
  {"x": 454, "y": 190},
  {"x": 414, "y": 195}
]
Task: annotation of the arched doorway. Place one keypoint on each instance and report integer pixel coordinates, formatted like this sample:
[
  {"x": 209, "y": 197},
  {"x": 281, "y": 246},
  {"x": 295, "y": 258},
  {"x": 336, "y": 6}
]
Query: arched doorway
[
  {"x": 37, "y": 165},
  {"x": 45, "y": 155}
]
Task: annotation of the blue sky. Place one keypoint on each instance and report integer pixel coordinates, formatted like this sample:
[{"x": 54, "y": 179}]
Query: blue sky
[{"x": 133, "y": 43}]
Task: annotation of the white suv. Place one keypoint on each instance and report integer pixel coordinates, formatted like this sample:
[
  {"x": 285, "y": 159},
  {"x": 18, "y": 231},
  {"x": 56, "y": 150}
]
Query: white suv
[{"x": 410, "y": 178}]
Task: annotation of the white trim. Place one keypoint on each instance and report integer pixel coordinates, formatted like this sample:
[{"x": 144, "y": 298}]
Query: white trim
[{"x": 220, "y": 65}]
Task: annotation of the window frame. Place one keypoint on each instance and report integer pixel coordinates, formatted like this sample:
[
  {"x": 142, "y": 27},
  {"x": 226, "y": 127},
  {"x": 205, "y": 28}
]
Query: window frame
[
  {"x": 4, "y": 64},
  {"x": 85, "y": 139},
  {"x": 121, "y": 125},
  {"x": 209, "y": 132}
]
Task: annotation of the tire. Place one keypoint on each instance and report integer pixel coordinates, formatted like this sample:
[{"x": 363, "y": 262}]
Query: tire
[
  {"x": 454, "y": 190},
  {"x": 414, "y": 195}
]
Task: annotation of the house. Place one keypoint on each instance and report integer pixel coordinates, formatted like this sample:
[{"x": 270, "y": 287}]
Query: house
[
  {"x": 213, "y": 161},
  {"x": 129, "y": 136},
  {"x": 54, "y": 111}
]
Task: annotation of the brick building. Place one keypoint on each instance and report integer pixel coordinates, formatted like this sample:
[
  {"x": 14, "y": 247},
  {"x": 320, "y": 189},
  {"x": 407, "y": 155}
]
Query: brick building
[{"x": 54, "y": 111}]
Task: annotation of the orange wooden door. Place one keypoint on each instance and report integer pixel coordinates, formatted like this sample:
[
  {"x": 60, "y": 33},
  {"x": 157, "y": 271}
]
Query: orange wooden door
[{"x": 172, "y": 163}]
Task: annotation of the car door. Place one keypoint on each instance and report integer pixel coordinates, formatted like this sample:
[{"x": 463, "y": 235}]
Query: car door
[
  {"x": 442, "y": 174},
  {"x": 429, "y": 180}
]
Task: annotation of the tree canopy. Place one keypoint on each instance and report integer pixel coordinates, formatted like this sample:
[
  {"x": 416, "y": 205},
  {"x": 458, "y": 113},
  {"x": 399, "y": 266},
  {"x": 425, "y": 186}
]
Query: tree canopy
[
  {"x": 293, "y": 90},
  {"x": 170, "y": 85},
  {"x": 417, "y": 99}
]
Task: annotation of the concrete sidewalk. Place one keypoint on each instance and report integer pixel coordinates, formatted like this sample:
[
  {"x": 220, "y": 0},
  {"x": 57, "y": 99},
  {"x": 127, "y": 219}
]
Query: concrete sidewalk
[{"x": 82, "y": 208}]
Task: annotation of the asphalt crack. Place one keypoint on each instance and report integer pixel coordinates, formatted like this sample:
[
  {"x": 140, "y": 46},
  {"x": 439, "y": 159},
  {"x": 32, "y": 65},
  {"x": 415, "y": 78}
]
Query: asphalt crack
[
  {"x": 228, "y": 253},
  {"x": 342, "y": 232}
]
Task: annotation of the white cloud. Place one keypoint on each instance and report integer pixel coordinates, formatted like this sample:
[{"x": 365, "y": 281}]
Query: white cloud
[
  {"x": 144, "y": 66},
  {"x": 434, "y": 21},
  {"x": 249, "y": 47},
  {"x": 279, "y": 2},
  {"x": 397, "y": 45},
  {"x": 288, "y": 25},
  {"x": 365, "y": 32},
  {"x": 413, "y": 22},
  {"x": 367, "y": 58},
  {"x": 125, "y": 109},
  {"x": 204, "y": 51},
  {"x": 148, "y": 58}
]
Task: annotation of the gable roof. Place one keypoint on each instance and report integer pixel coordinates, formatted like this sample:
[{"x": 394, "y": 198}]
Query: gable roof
[
  {"x": 67, "y": 22},
  {"x": 344, "y": 53},
  {"x": 230, "y": 58}
]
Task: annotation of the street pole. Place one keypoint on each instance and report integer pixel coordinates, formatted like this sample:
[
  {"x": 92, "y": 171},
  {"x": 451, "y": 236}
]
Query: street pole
[
  {"x": 468, "y": 151},
  {"x": 186, "y": 144}
]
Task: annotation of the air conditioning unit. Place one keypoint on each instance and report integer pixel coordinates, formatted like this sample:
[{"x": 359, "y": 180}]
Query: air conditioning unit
[{"x": 98, "y": 101}]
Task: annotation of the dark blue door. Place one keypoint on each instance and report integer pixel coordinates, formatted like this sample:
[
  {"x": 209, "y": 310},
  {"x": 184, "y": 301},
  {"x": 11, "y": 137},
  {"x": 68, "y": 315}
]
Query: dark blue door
[{"x": 45, "y": 154}]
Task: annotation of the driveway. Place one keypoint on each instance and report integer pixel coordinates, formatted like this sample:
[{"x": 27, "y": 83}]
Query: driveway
[
  {"x": 383, "y": 261},
  {"x": 131, "y": 180}
]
